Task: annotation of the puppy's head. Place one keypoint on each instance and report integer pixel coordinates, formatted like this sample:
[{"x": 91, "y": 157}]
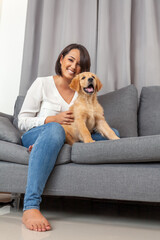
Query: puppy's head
[{"x": 86, "y": 82}]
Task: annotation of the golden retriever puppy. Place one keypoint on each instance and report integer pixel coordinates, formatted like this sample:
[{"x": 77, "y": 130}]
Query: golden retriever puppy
[{"x": 88, "y": 113}]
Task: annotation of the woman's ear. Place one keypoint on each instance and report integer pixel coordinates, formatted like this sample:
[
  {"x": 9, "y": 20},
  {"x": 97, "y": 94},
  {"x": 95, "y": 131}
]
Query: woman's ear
[
  {"x": 75, "y": 85},
  {"x": 98, "y": 84},
  {"x": 61, "y": 58}
]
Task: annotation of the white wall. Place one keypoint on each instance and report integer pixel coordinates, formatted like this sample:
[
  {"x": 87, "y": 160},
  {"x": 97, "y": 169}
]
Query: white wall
[{"x": 12, "y": 30}]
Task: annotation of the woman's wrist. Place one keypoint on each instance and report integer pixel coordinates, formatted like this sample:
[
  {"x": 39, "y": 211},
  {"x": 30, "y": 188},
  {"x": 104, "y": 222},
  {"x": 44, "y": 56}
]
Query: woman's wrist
[{"x": 50, "y": 119}]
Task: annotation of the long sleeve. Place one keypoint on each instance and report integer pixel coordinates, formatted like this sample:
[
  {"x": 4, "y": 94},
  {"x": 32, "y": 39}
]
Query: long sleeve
[{"x": 27, "y": 117}]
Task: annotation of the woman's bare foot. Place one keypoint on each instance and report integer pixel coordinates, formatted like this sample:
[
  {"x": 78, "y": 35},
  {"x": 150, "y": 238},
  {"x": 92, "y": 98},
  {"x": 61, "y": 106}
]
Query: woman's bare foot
[
  {"x": 30, "y": 148},
  {"x": 34, "y": 220}
]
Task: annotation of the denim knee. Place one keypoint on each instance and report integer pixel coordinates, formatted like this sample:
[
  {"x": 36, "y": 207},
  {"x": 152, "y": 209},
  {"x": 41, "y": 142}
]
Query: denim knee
[
  {"x": 116, "y": 132},
  {"x": 55, "y": 132}
]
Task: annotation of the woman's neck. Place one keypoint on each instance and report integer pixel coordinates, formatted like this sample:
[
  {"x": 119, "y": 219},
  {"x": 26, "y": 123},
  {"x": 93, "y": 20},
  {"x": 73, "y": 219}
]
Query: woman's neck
[{"x": 61, "y": 82}]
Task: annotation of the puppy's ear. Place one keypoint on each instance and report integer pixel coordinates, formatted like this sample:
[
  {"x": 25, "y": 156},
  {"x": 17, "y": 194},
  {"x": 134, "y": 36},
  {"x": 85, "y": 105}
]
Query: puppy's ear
[
  {"x": 75, "y": 85},
  {"x": 98, "y": 84}
]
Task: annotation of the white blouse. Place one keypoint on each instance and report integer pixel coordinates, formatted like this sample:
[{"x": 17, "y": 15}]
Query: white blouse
[{"x": 42, "y": 100}]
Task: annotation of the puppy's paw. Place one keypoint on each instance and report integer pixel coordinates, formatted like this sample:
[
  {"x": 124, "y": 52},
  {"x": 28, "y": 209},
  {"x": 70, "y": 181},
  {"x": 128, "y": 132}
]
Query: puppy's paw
[
  {"x": 116, "y": 138},
  {"x": 90, "y": 141}
]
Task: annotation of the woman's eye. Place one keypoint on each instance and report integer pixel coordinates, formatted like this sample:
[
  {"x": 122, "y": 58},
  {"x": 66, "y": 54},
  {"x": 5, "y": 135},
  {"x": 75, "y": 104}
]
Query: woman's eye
[{"x": 70, "y": 59}]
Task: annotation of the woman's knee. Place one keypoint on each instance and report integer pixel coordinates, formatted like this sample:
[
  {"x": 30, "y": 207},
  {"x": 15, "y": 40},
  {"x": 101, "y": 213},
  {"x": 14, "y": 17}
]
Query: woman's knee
[
  {"x": 116, "y": 132},
  {"x": 55, "y": 132}
]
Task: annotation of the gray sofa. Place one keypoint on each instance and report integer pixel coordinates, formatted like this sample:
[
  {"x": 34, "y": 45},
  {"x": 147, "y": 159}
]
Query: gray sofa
[{"x": 126, "y": 169}]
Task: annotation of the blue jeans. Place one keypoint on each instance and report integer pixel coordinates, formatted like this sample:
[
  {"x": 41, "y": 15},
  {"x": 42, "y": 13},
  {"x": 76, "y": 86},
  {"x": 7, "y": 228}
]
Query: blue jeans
[
  {"x": 99, "y": 137},
  {"x": 48, "y": 140}
]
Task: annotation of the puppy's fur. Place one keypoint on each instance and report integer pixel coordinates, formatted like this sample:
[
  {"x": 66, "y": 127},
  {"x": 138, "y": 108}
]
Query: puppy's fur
[{"x": 88, "y": 113}]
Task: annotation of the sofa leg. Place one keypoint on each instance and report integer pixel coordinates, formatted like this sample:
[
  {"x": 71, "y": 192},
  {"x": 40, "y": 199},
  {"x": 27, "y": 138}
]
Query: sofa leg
[{"x": 15, "y": 201}]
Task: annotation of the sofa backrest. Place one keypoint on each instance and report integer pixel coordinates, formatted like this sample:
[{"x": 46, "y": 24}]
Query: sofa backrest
[
  {"x": 149, "y": 111},
  {"x": 17, "y": 108},
  {"x": 120, "y": 110}
]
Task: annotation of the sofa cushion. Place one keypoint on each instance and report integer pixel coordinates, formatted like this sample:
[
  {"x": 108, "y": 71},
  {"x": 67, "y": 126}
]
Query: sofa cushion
[
  {"x": 8, "y": 132},
  {"x": 10, "y": 152},
  {"x": 149, "y": 111},
  {"x": 125, "y": 150},
  {"x": 120, "y": 110}
]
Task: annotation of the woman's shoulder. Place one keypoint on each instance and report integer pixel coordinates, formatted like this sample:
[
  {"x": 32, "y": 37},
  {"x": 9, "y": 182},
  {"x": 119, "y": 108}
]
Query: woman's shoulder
[
  {"x": 44, "y": 79},
  {"x": 41, "y": 82}
]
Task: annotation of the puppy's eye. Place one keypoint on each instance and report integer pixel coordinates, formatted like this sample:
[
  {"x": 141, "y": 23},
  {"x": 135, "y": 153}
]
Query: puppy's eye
[
  {"x": 83, "y": 78},
  {"x": 93, "y": 77}
]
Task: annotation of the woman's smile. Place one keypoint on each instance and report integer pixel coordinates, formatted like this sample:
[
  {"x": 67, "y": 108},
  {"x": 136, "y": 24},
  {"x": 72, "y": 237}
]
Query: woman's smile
[{"x": 71, "y": 71}]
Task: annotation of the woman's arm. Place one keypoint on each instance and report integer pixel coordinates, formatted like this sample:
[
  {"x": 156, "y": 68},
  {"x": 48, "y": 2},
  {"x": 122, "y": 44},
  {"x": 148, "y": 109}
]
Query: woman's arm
[
  {"x": 27, "y": 117},
  {"x": 65, "y": 118}
]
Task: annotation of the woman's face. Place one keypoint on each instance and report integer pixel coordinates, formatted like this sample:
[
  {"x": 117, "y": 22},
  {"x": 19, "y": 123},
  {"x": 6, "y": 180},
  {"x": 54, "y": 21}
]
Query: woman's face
[{"x": 70, "y": 64}]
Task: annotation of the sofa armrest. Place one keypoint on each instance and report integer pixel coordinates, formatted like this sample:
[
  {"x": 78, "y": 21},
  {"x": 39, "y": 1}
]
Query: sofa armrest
[
  {"x": 10, "y": 117},
  {"x": 8, "y": 132}
]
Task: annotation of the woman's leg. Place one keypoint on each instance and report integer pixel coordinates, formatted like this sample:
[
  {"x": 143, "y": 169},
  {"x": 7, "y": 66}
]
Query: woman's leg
[
  {"x": 48, "y": 141},
  {"x": 99, "y": 137}
]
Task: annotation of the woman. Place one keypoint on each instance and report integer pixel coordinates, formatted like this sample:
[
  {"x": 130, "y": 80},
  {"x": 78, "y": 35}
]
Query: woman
[{"x": 44, "y": 109}]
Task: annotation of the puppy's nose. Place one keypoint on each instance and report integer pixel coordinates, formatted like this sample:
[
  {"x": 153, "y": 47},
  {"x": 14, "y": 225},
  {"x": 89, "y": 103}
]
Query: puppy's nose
[{"x": 90, "y": 80}]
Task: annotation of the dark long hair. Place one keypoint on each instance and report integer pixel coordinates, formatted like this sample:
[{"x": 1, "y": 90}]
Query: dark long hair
[{"x": 85, "y": 61}]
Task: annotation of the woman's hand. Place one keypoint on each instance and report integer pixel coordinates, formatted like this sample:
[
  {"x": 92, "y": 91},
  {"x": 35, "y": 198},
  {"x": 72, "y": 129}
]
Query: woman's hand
[{"x": 65, "y": 118}]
